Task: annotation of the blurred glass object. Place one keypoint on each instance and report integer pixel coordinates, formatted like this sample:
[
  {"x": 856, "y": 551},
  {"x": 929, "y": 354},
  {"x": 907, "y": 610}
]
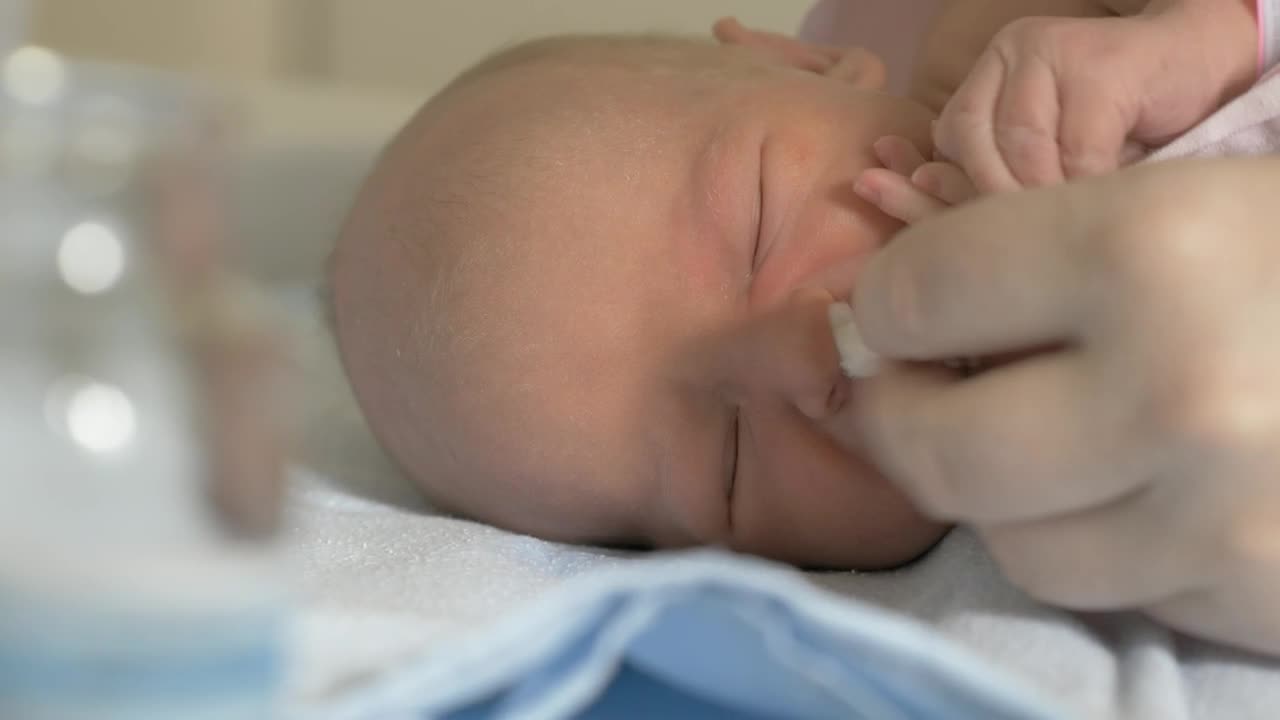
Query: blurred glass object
[
  {"x": 34, "y": 75},
  {"x": 90, "y": 258},
  {"x": 100, "y": 417},
  {"x": 141, "y": 446},
  {"x": 13, "y": 24}
]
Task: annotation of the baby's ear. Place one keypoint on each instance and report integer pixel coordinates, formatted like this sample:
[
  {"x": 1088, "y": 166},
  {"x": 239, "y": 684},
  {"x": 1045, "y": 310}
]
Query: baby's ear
[{"x": 856, "y": 66}]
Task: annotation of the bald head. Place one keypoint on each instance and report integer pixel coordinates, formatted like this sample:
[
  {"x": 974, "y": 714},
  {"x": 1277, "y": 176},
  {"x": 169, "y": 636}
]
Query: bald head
[
  {"x": 479, "y": 300},
  {"x": 583, "y": 295}
]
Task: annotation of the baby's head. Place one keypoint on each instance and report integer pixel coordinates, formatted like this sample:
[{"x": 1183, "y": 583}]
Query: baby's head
[{"x": 584, "y": 295}]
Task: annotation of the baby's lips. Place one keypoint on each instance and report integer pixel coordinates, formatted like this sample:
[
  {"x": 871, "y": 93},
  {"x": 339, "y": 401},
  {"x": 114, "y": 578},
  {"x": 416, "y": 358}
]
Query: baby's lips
[{"x": 856, "y": 359}]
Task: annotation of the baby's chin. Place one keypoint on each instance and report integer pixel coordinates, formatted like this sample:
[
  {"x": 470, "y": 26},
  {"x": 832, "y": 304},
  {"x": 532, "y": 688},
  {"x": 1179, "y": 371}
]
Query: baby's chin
[
  {"x": 905, "y": 544},
  {"x": 889, "y": 550},
  {"x": 856, "y": 522}
]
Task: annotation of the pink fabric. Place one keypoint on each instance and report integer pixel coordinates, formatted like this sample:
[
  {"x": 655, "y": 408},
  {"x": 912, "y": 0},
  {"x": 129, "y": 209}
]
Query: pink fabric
[
  {"x": 1267, "y": 13},
  {"x": 1260, "y": 8}
]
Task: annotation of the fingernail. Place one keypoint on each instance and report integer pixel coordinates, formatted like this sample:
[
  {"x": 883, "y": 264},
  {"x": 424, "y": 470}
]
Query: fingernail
[
  {"x": 926, "y": 181},
  {"x": 856, "y": 359},
  {"x": 866, "y": 192}
]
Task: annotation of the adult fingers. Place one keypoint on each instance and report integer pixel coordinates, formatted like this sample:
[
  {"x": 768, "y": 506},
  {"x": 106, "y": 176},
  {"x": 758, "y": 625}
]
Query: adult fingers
[
  {"x": 1033, "y": 438},
  {"x": 1026, "y": 124},
  {"x": 1093, "y": 138},
  {"x": 1104, "y": 558},
  {"x": 965, "y": 132},
  {"x": 998, "y": 275}
]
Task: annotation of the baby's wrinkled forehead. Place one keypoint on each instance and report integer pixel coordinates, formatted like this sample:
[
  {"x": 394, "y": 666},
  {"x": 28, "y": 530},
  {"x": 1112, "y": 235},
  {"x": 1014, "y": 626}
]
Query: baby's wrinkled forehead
[{"x": 504, "y": 263}]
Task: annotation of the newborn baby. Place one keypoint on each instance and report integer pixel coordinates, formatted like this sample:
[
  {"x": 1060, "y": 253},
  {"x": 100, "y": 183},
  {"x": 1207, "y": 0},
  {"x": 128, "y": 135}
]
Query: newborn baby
[{"x": 584, "y": 295}]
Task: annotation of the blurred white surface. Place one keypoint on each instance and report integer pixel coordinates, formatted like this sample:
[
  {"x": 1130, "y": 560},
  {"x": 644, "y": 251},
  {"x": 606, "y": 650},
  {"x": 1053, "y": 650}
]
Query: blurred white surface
[
  {"x": 303, "y": 154},
  {"x": 323, "y": 83},
  {"x": 415, "y": 44},
  {"x": 13, "y": 24},
  {"x": 410, "y": 43}
]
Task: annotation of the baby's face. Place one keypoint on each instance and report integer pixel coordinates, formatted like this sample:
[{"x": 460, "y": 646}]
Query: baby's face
[
  {"x": 748, "y": 388},
  {"x": 665, "y": 372}
]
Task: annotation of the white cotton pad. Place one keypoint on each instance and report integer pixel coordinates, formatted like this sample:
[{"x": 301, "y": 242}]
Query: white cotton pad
[{"x": 856, "y": 359}]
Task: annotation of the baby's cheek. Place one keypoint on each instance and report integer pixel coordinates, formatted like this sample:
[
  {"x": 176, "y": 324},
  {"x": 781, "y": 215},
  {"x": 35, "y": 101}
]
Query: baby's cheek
[
  {"x": 826, "y": 255},
  {"x": 811, "y": 504}
]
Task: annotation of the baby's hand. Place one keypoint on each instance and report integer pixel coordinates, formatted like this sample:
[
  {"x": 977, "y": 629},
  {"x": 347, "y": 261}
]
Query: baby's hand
[
  {"x": 909, "y": 187},
  {"x": 1053, "y": 99}
]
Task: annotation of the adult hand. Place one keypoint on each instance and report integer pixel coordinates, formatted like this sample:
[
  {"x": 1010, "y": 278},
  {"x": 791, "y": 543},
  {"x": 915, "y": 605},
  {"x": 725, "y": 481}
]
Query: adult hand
[
  {"x": 1124, "y": 452},
  {"x": 1055, "y": 98}
]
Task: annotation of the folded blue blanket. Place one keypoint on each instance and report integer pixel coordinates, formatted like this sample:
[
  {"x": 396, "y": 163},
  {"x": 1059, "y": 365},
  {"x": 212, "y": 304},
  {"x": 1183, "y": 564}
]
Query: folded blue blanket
[{"x": 702, "y": 634}]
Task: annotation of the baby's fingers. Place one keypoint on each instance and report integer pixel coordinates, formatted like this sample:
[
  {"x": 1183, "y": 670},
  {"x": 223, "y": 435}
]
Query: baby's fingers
[
  {"x": 896, "y": 196},
  {"x": 898, "y": 154},
  {"x": 944, "y": 181}
]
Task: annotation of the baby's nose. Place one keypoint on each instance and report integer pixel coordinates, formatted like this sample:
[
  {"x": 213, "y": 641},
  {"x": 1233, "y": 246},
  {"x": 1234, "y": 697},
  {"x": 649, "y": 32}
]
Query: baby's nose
[
  {"x": 809, "y": 366},
  {"x": 824, "y": 400}
]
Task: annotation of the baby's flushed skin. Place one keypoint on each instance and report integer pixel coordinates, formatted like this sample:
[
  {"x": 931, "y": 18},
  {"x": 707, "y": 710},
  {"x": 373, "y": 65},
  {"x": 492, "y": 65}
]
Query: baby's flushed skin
[{"x": 585, "y": 295}]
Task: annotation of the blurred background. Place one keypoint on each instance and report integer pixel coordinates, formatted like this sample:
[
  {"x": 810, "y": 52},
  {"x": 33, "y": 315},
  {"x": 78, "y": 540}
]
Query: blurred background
[
  {"x": 165, "y": 348},
  {"x": 317, "y": 85},
  {"x": 406, "y": 44},
  {"x": 313, "y": 88},
  {"x": 310, "y": 90}
]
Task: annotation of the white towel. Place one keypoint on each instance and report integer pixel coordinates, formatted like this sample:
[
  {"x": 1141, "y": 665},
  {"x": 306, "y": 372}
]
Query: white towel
[{"x": 382, "y": 585}]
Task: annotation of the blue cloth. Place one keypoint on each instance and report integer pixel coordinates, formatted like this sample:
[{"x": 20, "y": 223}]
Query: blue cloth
[{"x": 703, "y": 634}]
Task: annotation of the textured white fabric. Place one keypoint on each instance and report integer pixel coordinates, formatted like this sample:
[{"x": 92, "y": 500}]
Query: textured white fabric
[{"x": 381, "y": 584}]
